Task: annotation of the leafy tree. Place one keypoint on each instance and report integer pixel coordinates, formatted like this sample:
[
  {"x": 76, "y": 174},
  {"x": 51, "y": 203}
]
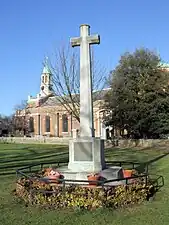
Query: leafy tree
[{"x": 139, "y": 96}]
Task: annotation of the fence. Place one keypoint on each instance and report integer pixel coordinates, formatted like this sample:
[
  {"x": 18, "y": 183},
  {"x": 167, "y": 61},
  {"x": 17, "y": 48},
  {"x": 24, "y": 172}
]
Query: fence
[
  {"x": 30, "y": 173},
  {"x": 122, "y": 143},
  {"x": 35, "y": 140}
]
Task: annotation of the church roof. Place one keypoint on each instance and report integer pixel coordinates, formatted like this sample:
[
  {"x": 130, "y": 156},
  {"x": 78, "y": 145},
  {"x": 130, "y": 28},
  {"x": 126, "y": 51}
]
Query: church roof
[
  {"x": 55, "y": 100},
  {"x": 51, "y": 101}
]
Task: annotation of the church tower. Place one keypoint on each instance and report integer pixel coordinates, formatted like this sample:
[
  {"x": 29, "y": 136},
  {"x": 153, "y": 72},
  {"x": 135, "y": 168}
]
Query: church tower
[{"x": 46, "y": 80}]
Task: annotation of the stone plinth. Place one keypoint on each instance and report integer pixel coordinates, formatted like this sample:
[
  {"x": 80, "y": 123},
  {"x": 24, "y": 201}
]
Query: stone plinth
[
  {"x": 110, "y": 173},
  {"x": 86, "y": 155}
]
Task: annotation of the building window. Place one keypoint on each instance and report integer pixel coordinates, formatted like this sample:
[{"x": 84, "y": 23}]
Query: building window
[
  {"x": 31, "y": 124},
  {"x": 46, "y": 79},
  {"x": 47, "y": 119},
  {"x": 64, "y": 123},
  {"x": 43, "y": 79},
  {"x": 39, "y": 124}
]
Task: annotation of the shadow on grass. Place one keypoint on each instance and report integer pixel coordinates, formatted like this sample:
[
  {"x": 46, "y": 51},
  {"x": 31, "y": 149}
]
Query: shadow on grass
[
  {"x": 144, "y": 166},
  {"x": 144, "y": 157},
  {"x": 32, "y": 156},
  {"x": 35, "y": 160},
  {"x": 27, "y": 156},
  {"x": 127, "y": 154},
  {"x": 15, "y": 167}
]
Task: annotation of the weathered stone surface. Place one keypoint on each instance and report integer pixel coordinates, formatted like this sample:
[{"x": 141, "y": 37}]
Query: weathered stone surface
[
  {"x": 86, "y": 154},
  {"x": 83, "y": 151},
  {"x": 107, "y": 174},
  {"x": 86, "y": 101}
]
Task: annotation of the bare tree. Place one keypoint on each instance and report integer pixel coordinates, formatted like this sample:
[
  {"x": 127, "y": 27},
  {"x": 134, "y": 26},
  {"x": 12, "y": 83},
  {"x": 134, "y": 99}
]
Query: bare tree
[
  {"x": 21, "y": 106},
  {"x": 66, "y": 79},
  {"x": 6, "y": 125},
  {"x": 20, "y": 117}
]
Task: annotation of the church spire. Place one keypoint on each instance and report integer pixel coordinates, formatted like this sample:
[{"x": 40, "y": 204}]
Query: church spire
[
  {"x": 46, "y": 68},
  {"x": 46, "y": 79}
]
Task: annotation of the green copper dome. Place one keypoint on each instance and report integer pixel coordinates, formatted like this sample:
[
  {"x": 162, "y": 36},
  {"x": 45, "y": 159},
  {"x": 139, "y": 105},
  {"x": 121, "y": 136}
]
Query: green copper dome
[{"x": 46, "y": 68}]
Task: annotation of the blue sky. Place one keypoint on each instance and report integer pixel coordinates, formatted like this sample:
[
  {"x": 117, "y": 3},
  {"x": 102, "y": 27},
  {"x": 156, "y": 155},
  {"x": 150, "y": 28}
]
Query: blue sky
[{"x": 31, "y": 29}]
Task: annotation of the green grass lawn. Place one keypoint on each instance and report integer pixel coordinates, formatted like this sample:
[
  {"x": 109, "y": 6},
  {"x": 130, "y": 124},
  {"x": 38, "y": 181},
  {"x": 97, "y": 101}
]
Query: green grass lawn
[{"x": 13, "y": 156}]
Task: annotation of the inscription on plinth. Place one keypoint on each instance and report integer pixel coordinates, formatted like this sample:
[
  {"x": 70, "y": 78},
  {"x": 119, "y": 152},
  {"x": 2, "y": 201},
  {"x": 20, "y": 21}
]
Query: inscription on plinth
[
  {"x": 83, "y": 151},
  {"x": 86, "y": 155}
]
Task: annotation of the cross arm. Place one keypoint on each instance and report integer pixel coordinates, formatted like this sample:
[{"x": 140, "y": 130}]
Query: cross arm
[
  {"x": 75, "y": 41},
  {"x": 94, "y": 39}
]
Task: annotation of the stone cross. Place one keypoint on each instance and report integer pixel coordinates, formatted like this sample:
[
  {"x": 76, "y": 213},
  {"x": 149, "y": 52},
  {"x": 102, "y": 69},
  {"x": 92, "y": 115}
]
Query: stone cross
[{"x": 86, "y": 102}]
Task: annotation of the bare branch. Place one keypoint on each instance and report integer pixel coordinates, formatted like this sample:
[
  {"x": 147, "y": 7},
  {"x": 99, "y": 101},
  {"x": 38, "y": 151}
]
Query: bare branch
[{"x": 66, "y": 79}]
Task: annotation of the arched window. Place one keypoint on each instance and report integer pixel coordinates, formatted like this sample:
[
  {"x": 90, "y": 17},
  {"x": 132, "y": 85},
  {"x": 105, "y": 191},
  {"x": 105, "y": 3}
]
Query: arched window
[
  {"x": 39, "y": 124},
  {"x": 43, "y": 79},
  {"x": 64, "y": 123},
  {"x": 31, "y": 124},
  {"x": 47, "y": 119},
  {"x": 46, "y": 79}
]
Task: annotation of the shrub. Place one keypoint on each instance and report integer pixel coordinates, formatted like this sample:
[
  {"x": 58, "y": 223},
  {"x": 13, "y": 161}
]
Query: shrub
[{"x": 74, "y": 196}]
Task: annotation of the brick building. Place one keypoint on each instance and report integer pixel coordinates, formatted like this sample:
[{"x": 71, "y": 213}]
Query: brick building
[{"x": 45, "y": 115}]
